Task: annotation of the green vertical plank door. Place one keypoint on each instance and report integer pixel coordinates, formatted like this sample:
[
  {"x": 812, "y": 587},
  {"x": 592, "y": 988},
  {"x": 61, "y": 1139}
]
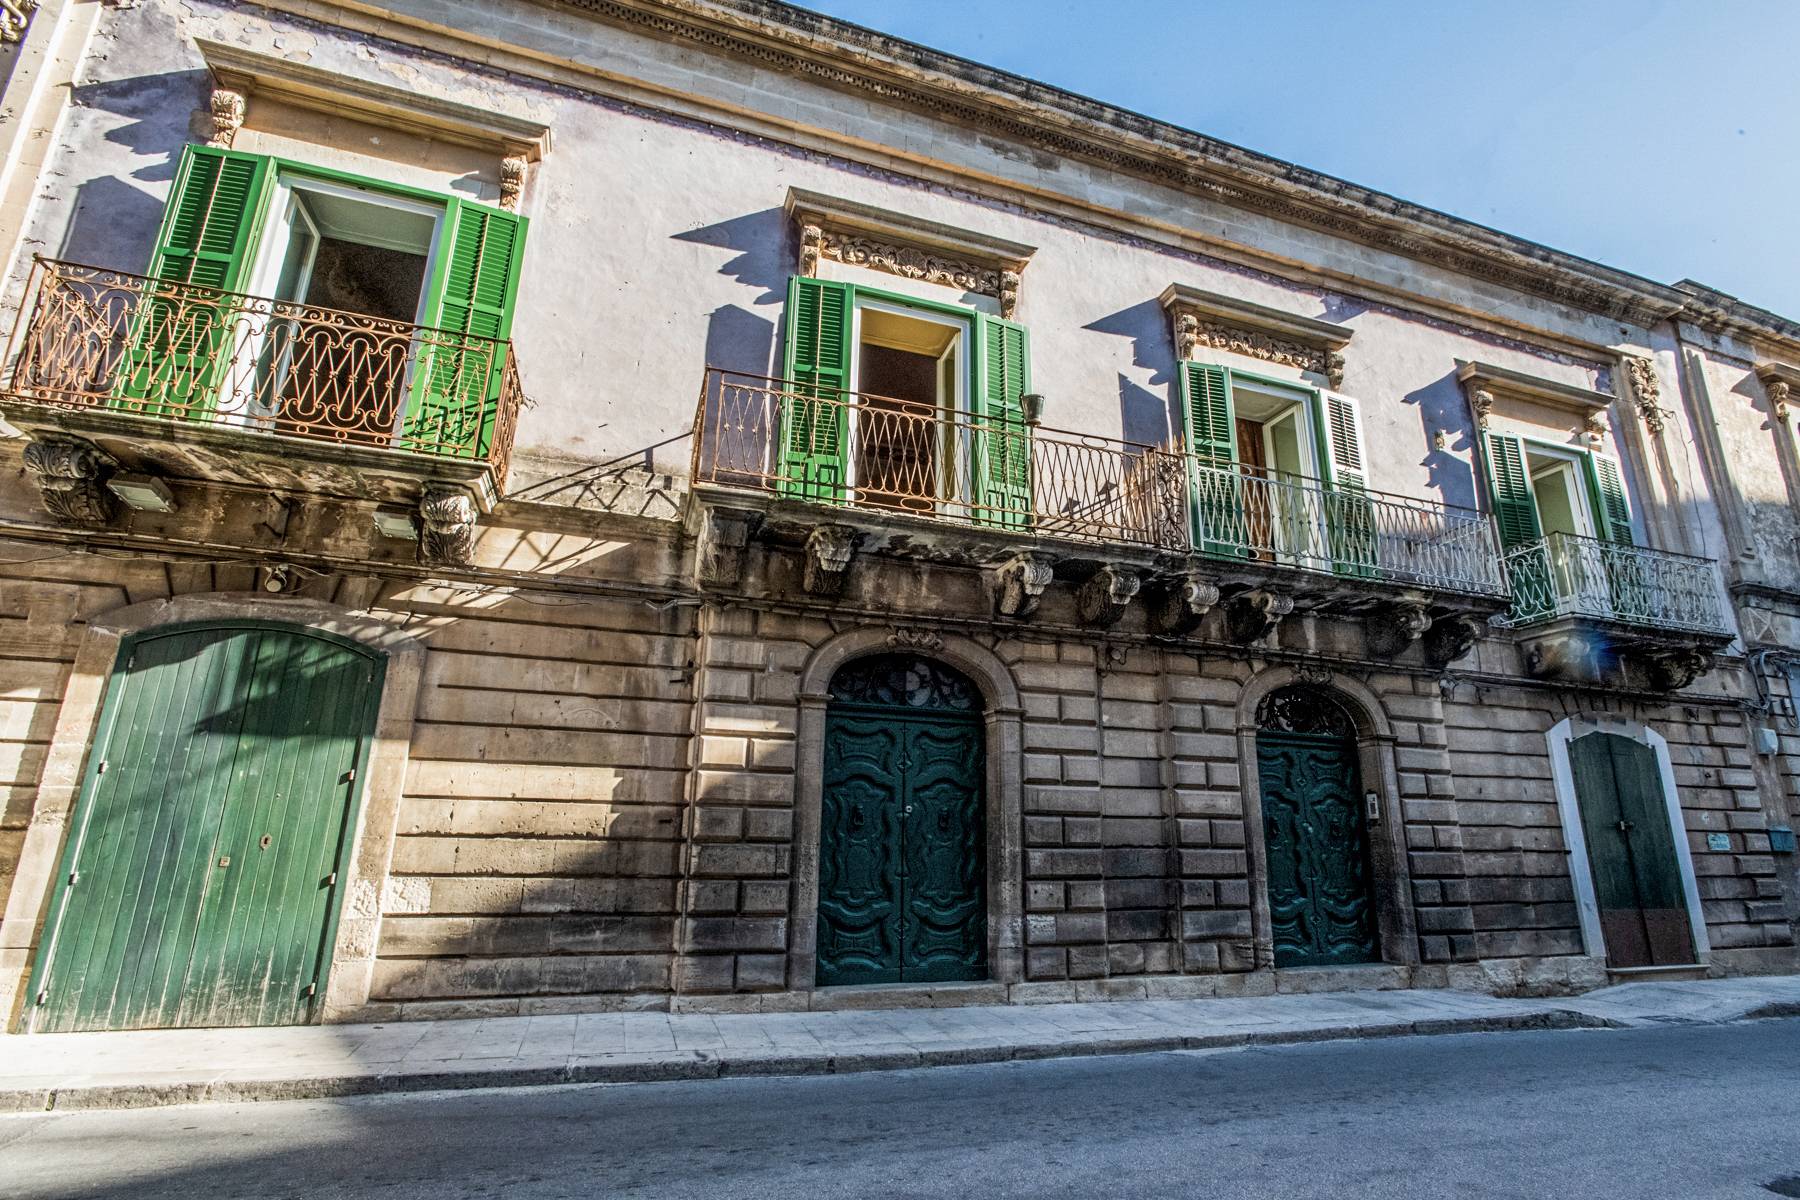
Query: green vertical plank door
[
  {"x": 1002, "y": 442},
  {"x": 1349, "y": 516}
]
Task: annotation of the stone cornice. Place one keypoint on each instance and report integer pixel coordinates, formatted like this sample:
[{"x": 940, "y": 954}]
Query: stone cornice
[
  {"x": 1201, "y": 318},
  {"x": 1478, "y": 378}
]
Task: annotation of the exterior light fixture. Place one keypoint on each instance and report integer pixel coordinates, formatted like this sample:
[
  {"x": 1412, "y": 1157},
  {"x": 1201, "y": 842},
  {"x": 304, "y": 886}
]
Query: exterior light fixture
[
  {"x": 146, "y": 493},
  {"x": 396, "y": 523},
  {"x": 1033, "y": 405}
]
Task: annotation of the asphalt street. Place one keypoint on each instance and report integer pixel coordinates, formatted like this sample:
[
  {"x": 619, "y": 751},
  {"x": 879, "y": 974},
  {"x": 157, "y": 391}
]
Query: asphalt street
[{"x": 1666, "y": 1113}]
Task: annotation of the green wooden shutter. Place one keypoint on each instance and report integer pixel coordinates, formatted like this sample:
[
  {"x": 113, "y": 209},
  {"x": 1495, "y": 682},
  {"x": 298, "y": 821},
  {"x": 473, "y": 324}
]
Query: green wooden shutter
[
  {"x": 182, "y": 337},
  {"x": 1612, "y": 509},
  {"x": 1515, "y": 510},
  {"x": 461, "y": 364},
  {"x": 1209, "y": 432},
  {"x": 1002, "y": 439},
  {"x": 814, "y": 414},
  {"x": 1349, "y": 516}
]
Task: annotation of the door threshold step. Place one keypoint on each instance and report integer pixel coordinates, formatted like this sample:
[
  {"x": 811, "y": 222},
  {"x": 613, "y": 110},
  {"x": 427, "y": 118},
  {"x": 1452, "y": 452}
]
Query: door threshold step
[
  {"x": 1679, "y": 971},
  {"x": 908, "y": 995}
]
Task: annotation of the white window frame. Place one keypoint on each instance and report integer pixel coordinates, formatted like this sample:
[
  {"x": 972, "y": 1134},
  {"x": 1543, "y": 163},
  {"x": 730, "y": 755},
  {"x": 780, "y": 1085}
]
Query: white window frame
[{"x": 955, "y": 485}]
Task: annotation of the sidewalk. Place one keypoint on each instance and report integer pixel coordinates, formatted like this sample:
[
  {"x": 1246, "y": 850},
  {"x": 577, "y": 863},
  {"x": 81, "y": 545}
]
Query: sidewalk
[{"x": 156, "y": 1067}]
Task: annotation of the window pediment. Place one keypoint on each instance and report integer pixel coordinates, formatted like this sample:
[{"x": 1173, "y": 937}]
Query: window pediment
[
  {"x": 880, "y": 239},
  {"x": 1485, "y": 385},
  {"x": 1201, "y": 318}
]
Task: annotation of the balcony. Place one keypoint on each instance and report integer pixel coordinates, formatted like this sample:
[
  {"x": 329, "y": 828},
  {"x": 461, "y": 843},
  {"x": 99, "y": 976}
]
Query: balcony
[
  {"x": 916, "y": 478},
  {"x": 1587, "y": 608},
  {"x": 186, "y": 382}
]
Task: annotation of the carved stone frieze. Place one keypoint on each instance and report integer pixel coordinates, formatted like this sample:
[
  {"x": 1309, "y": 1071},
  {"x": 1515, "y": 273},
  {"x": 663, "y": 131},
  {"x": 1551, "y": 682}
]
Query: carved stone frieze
[
  {"x": 71, "y": 477},
  {"x": 906, "y": 637},
  {"x": 723, "y": 545},
  {"x": 1102, "y": 600},
  {"x": 226, "y": 111},
  {"x": 1449, "y": 638},
  {"x": 1268, "y": 348},
  {"x": 512, "y": 180},
  {"x": 1253, "y": 615},
  {"x": 446, "y": 526},
  {"x": 1391, "y": 628},
  {"x": 1022, "y": 580},
  {"x": 1177, "y": 606},
  {"x": 829, "y": 549},
  {"x": 1646, "y": 391},
  {"x": 908, "y": 262}
]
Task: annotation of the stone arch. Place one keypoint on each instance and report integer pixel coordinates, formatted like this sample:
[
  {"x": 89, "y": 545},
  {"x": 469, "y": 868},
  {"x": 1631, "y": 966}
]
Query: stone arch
[
  {"x": 353, "y": 954},
  {"x": 1396, "y": 921},
  {"x": 1002, "y": 718}
]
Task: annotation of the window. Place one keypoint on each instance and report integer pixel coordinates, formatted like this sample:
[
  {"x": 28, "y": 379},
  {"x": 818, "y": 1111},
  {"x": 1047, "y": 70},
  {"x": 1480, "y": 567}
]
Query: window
[
  {"x": 1277, "y": 471},
  {"x": 305, "y": 300},
  {"x": 1538, "y": 489},
  {"x": 904, "y": 403}
]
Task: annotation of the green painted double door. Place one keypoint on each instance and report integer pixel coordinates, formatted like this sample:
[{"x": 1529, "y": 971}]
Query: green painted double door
[
  {"x": 1631, "y": 852},
  {"x": 1317, "y": 847},
  {"x": 201, "y": 879},
  {"x": 902, "y": 860}
]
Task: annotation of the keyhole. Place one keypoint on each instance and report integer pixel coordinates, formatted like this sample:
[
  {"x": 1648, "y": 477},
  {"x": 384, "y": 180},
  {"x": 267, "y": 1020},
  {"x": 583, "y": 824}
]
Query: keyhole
[
  {"x": 856, "y": 817},
  {"x": 264, "y": 843}
]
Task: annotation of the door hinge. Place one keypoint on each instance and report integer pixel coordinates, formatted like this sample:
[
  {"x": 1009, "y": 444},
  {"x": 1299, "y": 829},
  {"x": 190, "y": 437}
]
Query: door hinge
[
  {"x": 43, "y": 996},
  {"x": 350, "y": 776},
  {"x": 331, "y": 879},
  {"x": 101, "y": 769},
  {"x": 73, "y": 876},
  {"x": 312, "y": 989}
]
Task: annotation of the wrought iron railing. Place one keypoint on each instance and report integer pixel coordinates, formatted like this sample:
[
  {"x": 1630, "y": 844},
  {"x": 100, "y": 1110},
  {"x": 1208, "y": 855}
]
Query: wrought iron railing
[
  {"x": 92, "y": 338},
  {"x": 1565, "y": 575},
  {"x": 873, "y": 452},
  {"x": 843, "y": 448},
  {"x": 1251, "y": 513}
]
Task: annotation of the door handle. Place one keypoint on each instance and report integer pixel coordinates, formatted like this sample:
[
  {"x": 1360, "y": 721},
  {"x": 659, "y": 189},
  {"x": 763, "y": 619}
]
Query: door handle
[
  {"x": 907, "y": 811},
  {"x": 1626, "y": 826}
]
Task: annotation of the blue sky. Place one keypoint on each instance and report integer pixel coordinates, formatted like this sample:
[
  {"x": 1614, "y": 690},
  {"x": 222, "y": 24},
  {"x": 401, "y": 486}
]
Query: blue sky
[{"x": 1659, "y": 136}]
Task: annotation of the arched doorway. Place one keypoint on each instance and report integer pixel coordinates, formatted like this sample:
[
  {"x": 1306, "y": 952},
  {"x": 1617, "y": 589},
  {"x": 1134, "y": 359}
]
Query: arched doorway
[
  {"x": 1315, "y": 831},
  {"x": 202, "y": 875},
  {"x": 902, "y": 855}
]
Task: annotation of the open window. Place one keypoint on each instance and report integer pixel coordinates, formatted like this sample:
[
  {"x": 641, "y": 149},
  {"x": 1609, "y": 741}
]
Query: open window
[
  {"x": 1558, "y": 507},
  {"x": 287, "y": 296},
  {"x": 904, "y": 404}
]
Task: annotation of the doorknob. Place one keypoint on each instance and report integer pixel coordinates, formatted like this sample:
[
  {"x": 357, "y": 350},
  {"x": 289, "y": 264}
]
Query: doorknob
[
  {"x": 1626, "y": 826},
  {"x": 907, "y": 811}
]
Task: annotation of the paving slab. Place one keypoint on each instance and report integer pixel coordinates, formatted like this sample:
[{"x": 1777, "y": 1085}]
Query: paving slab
[{"x": 184, "y": 1066}]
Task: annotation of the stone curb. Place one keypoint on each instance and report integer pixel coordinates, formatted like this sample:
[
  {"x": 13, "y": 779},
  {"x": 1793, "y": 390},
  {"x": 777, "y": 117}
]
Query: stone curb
[{"x": 666, "y": 1068}]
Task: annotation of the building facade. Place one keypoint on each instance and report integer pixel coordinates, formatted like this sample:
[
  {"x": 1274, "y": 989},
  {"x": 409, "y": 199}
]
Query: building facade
[{"x": 559, "y": 505}]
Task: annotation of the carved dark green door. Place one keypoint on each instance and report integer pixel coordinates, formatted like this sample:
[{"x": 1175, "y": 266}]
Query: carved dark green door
[
  {"x": 1318, "y": 851},
  {"x": 1631, "y": 852},
  {"x": 902, "y": 894}
]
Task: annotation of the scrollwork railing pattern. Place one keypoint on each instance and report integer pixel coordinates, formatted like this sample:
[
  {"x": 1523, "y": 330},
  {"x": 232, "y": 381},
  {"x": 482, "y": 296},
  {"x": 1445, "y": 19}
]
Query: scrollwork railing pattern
[
  {"x": 92, "y": 338},
  {"x": 1564, "y": 575}
]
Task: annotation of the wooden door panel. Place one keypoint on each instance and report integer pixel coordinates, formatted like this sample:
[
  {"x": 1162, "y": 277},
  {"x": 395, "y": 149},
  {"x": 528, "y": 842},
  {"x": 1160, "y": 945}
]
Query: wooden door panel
[
  {"x": 1317, "y": 851},
  {"x": 945, "y": 934},
  {"x": 859, "y": 864},
  {"x": 1631, "y": 852}
]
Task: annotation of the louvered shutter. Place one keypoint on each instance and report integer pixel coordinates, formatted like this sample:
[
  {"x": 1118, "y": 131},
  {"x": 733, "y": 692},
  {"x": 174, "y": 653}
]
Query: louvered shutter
[
  {"x": 462, "y": 356},
  {"x": 183, "y": 333},
  {"x": 1002, "y": 439},
  {"x": 814, "y": 424},
  {"x": 1612, "y": 508},
  {"x": 1515, "y": 510},
  {"x": 1349, "y": 515},
  {"x": 1209, "y": 434}
]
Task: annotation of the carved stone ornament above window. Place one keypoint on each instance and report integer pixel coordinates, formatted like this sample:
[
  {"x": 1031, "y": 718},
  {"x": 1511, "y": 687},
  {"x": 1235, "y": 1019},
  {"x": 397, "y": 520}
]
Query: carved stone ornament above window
[
  {"x": 865, "y": 236},
  {"x": 240, "y": 76},
  {"x": 1482, "y": 383},
  {"x": 1780, "y": 383},
  {"x": 1255, "y": 331}
]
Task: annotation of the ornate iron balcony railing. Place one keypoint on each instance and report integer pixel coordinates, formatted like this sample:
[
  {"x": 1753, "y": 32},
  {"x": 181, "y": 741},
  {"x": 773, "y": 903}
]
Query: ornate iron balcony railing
[
  {"x": 1264, "y": 516},
  {"x": 1564, "y": 575},
  {"x": 88, "y": 338},
  {"x": 870, "y": 452}
]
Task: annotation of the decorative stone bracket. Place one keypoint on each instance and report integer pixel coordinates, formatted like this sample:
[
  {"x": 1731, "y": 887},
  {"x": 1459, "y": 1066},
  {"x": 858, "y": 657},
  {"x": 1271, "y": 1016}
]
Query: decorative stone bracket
[
  {"x": 1022, "y": 579},
  {"x": 723, "y": 545},
  {"x": 881, "y": 240},
  {"x": 1646, "y": 391},
  {"x": 1253, "y": 615},
  {"x": 1449, "y": 638},
  {"x": 1391, "y": 628},
  {"x": 1255, "y": 331},
  {"x": 71, "y": 477},
  {"x": 1672, "y": 670},
  {"x": 1102, "y": 600},
  {"x": 15, "y": 15},
  {"x": 1177, "y": 606},
  {"x": 1483, "y": 383},
  {"x": 1779, "y": 383},
  {"x": 829, "y": 549},
  {"x": 446, "y": 526},
  {"x": 1577, "y": 653}
]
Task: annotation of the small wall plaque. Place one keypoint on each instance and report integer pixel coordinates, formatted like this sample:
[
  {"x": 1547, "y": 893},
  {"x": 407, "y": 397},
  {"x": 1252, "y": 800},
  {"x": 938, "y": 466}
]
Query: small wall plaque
[{"x": 1718, "y": 841}]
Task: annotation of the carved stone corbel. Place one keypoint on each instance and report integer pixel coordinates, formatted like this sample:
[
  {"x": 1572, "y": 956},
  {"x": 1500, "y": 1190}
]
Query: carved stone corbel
[
  {"x": 1594, "y": 425},
  {"x": 1022, "y": 579},
  {"x": 15, "y": 15},
  {"x": 1779, "y": 394},
  {"x": 1481, "y": 403},
  {"x": 1672, "y": 670},
  {"x": 1187, "y": 335},
  {"x": 1646, "y": 391},
  {"x": 724, "y": 542},
  {"x": 1391, "y": 628},
  {"x": 512, "y": 180},
  {"x": 1253, "y": 615},
  {"x": 71, "y": 477},
  {"x": 446, "y": 526},
  {"x": 1177, "y": 606},
  {"x": 1102, "y": 600},
  {"x": 1009, "y": 293},
  {"x": 812, "y": 244},
  {"x": 1448, "y": 639},
  {"x": 829, "y": 549},
  {"x": 226, "y": 110}
]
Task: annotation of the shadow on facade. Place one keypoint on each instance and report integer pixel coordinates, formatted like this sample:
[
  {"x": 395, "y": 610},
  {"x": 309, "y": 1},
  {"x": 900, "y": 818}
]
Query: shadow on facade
[{"x": 1442, "y": 407}]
